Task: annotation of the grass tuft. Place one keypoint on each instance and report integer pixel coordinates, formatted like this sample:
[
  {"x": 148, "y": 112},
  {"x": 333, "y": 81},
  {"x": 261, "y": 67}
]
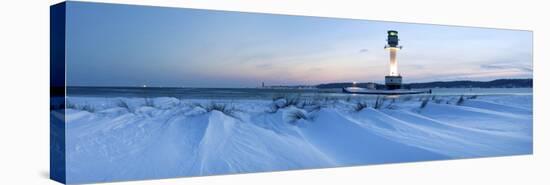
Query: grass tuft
[
  {"x": 359, "y": 106},
  {"x": 348, "y": 99},
  {"x": 298, "y": 115},
  {"x": 460, "y": 100},
  {"x": 379, "y": 102},
  {"x": 124, "y": 105},
  {"x": 281, "y": 102},
  {"x": 407, "y": 98},
  {"x": 149, "y": 102},
  {"x": 424, "y": 103},
  {"x": 88, "y": 108},
  {"x": 221, "y": 107},
  {"x": 70, "y": 105},
  {"x": 309, "y": 105}
]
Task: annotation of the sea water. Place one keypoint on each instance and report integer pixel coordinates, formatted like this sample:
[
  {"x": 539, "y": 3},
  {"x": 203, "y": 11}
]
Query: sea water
[{"x": 265, "y": 93}]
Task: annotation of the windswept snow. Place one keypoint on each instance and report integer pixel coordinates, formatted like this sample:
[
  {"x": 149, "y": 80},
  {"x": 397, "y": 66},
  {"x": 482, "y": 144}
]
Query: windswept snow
[{"x": 113, "y": 139}]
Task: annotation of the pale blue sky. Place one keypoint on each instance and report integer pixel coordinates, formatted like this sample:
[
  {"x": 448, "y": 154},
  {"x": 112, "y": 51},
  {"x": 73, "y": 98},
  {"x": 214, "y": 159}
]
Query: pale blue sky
[{"x": 121, "y": 45}]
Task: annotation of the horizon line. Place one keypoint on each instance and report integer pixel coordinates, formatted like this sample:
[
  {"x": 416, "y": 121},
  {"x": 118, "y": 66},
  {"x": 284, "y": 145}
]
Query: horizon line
[{"x": 259, "y": 86}]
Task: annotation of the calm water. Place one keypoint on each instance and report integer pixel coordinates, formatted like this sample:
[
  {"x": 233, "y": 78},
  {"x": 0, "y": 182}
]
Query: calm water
[{"x": 258, "y": 93}]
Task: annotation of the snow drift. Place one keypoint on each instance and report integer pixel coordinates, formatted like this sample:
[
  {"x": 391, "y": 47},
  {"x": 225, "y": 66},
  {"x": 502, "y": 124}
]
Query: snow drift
[{"x": 114, "y": 139}]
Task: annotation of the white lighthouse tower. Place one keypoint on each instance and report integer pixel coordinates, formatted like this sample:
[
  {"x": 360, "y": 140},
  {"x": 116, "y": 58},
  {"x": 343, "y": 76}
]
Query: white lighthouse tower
[{"x": 393, "y": 79}]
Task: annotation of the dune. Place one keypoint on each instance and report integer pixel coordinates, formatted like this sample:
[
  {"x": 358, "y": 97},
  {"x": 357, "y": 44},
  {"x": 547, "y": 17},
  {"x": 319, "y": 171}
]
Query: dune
[{"x": 113, "y": 139}]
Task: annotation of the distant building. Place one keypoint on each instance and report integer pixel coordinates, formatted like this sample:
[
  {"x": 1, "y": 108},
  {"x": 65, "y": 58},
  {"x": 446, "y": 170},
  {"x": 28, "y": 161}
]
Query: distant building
[{"x": 371, "y": 85}]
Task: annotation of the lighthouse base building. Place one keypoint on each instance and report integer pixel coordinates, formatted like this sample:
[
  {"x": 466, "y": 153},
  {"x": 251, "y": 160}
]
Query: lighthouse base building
[{"x": 393, "y": 82}]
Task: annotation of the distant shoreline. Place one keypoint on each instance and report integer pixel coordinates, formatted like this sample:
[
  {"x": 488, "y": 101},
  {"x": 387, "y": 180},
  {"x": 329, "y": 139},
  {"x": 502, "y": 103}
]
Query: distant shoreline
[{"x": 499, "y": 83}]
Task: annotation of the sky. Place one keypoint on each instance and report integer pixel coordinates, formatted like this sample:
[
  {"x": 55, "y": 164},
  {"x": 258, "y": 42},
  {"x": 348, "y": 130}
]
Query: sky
[{"x": 123, "y": 45}]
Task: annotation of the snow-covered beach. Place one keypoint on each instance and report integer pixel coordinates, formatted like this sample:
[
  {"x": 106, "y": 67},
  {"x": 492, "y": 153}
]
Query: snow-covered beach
[{"x": 128, "y": 138}]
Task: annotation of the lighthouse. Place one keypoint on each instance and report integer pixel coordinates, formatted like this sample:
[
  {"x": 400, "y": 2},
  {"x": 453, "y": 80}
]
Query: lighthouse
[{"x": 393, "y": 79}]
